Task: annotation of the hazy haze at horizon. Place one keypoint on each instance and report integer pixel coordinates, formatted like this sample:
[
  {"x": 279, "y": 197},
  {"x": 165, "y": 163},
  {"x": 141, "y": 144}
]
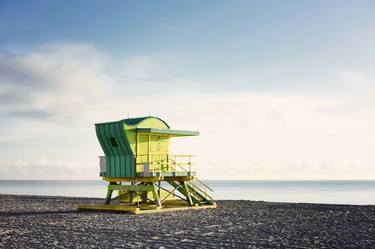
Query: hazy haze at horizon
[{"x": 278, "y": 90}]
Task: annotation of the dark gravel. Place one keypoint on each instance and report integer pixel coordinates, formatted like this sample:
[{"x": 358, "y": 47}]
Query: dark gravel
[{"x": 52, "y": 222}]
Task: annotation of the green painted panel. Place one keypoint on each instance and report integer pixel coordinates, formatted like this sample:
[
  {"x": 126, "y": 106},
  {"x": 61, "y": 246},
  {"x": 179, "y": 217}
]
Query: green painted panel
[
  {"x": 119, "y": 156},
  {"x": 131, "y": 187}
]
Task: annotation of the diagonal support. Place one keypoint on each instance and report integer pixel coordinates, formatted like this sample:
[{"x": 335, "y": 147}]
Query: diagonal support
[
  {"x": 183, "y": 191},
  {"x": 176, "y": 187},
  {"x": 169, "y": 193},
  {"x": 187, "y": 192},
  {"x": 109, "y": 194},
  {"x": 155, "y": 194}
]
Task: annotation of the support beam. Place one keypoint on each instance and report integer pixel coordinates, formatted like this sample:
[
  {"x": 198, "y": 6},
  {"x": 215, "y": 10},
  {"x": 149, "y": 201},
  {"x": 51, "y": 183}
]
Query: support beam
[
  {"x": 169, "y": 193},
  {"x": 183, "y": 191},
  {"x": 155, "y": 194},
  {"x": 109, "y": 196},
  {"x": 175, "y": 195},
  {"x": 186, "y": 190},
  {"x": 199, "y": 192}
]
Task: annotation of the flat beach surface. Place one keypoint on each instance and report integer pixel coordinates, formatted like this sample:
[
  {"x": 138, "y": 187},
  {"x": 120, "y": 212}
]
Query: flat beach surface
[{"x": 53, "y": 222}]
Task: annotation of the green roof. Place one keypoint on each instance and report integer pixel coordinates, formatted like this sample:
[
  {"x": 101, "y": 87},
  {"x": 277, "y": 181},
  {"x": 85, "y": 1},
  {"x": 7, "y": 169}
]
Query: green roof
[
  {"x": 174, "y": 133},
  {"x": 135, "y": 121}
]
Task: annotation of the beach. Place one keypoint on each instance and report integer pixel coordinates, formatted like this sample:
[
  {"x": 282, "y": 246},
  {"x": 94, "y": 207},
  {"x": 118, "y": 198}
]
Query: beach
[{"x": 53, "y": 222}]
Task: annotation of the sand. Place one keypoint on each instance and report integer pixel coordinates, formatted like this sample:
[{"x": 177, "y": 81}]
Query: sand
[{"x": 53, "y": 222}]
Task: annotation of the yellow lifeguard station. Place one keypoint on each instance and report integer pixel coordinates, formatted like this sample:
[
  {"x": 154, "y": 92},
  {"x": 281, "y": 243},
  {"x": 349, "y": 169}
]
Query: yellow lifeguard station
[{"x": 138, "y": 165}]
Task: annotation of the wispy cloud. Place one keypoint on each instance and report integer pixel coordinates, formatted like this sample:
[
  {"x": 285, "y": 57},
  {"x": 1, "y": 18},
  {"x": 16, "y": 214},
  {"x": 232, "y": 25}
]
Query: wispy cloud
[
  {"x": 52, "y": 80},
  {"x": 51, "y": 96},
  {"x": 30, "y": 114}
]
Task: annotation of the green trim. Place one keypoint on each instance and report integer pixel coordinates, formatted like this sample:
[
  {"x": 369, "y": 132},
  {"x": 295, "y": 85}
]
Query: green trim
[
  {"x": 120, "y": 160},
  {"x": 131, "y": 187},
  {"x": 172, "y": 133}
]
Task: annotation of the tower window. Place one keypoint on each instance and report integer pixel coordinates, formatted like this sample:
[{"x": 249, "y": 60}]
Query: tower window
[{"x": 113, "y": 142}]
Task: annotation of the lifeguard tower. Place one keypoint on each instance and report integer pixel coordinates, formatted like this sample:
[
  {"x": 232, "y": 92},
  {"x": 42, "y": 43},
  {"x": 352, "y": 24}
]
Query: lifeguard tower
[{"x": 137, "y": 164}]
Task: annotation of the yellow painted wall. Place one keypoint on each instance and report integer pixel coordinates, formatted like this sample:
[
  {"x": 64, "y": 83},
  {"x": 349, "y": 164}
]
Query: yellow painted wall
[
  {"x": 159, "y": 144},
  {"x": 131, "y": 136},
  {"x": 143, "y": 144},
  {"x": 152, "y": 123},
  {"x": 156, "y": 146}
]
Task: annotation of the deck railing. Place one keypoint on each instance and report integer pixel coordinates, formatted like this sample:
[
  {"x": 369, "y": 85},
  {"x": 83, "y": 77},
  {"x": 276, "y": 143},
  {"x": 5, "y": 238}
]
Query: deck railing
[{"x": 147, "y": 163}]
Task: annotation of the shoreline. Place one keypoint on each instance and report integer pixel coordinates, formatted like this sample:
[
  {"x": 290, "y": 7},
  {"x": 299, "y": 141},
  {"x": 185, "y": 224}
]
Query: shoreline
[
  {"x": 32, "y": 221},
  {"x": 329, "y": 192},
  {"x": 221, "y": 200}
]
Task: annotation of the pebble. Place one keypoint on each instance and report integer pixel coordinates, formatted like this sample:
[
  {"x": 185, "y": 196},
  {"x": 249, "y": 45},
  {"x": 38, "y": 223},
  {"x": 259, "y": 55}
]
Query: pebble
[{"x": 53, "y": 222}]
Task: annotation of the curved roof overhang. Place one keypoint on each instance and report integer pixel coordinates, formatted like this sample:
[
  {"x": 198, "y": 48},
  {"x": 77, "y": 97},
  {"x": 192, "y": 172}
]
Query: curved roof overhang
[{"x": 168, "y": 132}]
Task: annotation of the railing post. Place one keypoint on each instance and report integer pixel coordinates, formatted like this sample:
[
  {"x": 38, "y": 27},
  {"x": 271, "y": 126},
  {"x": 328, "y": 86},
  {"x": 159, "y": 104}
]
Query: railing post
[
  {"x": 174, "y": 163},
  {"x": 153, "y": 166},
  {"x": 189, "y": 164}
]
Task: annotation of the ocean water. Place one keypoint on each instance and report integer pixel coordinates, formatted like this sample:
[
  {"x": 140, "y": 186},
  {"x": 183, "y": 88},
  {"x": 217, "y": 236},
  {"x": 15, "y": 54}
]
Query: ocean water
[{"x": 334, "y": 192}]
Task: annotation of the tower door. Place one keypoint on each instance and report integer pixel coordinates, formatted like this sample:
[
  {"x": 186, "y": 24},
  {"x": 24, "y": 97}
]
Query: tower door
[
  {"x": 143, "y": 147},
  {"x": 159, "y": 149}
]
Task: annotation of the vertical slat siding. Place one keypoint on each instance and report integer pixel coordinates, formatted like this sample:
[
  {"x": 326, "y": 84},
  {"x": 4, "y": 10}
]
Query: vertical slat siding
[
  {"x": 111, "y": 155},
  {"x": 115, "y": 154},
  {"x": 130, "y": 159},
  {"x": 119, "y": 154},
  {"x": 120, "y": 159},
  {"x": 120, "y": 141},
  {"x": 116, "y": 158}
]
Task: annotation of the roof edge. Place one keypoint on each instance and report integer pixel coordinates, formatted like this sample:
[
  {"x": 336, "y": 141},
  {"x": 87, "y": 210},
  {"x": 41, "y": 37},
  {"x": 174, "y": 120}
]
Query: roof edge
[
  {"x": 133, "y": 121},
  {"x": 141, "y": 119},
  {"x": 170, "y": 132}
]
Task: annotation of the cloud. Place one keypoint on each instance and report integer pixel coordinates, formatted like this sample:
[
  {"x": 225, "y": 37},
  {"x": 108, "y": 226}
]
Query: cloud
[
  {"x": 271, "y": 136},
  {"x": 52, "y": 80},
  {"x": 30, "y": 114},
  {"x": 353, "y": 78},
  {"x": 51, "y": 96}
]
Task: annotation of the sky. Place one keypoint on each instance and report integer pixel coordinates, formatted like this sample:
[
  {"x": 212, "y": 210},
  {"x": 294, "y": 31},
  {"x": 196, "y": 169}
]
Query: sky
[{"x": 278, "y": 89}]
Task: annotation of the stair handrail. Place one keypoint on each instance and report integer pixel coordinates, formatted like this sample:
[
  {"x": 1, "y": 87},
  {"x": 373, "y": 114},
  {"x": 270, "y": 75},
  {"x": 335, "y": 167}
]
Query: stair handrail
[
  {"x": 204, "y": 192},
  {"x": 195, "y": 178}
]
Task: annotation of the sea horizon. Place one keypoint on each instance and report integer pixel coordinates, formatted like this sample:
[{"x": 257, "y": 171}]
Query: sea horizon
[{"x": 354, "y": 192}]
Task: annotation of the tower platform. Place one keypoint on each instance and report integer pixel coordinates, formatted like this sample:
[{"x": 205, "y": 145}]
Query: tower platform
[{"x": 168, "y": 206}]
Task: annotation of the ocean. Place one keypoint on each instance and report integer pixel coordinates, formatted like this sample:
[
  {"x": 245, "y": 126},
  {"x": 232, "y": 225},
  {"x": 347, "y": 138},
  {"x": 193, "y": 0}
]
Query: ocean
[{"x": 332, "y": 192}]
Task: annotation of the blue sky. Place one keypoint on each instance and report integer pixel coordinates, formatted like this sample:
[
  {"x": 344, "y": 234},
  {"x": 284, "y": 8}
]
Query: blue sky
[
  {"x": 297, "y": 76},
  {"x": 208, "y": 40}
]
